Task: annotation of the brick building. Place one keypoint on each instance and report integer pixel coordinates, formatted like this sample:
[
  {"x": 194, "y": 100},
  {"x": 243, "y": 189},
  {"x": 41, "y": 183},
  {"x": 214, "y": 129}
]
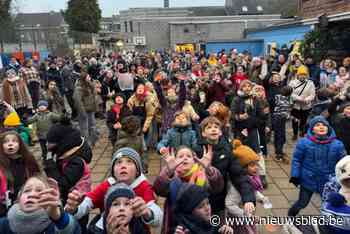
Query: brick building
[{"x": 315, "y": 8}]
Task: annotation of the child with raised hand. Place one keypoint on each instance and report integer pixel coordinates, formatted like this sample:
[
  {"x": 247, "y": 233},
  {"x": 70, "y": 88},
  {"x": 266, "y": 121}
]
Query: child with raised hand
[
  {"x": 38, "y": 211},
  {"x": 17, "y": 164},
  {"x": 227, "y": 164},
  {"x": 119, "y": 217},
  {"x": 314, "y": 160},
  {"x": 126, "y": 167},
  {"x": 181, "y": 133},
  {"x": 193, "y": 212},
  {"x": 43, "y": 119},
  {"x": 185, "y": 167}
]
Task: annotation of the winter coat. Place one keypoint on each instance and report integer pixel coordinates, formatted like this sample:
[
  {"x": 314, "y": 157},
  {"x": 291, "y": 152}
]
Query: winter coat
[
  {"x": 303, "y": 95},
  {"x": 149, "y": 106},
  {"x": 24, "y": 99},
  {"x": 134, "y": 141},
  {"x": 217, "y": 91},
  {"x": 178, "y": 136},
  {"x": 167, "y": 187},
  {"x": 229, "y": 167},
  {"x": 43, "y": 121},
  {"x": 85, "y": 101},
  {"x": 65, "y": 225},
  {"x": 341, "y": 126},
  {"x": 168, "y": 111},
  {"x": 70, "y": 168},
  {"x": 112, "y": 119},
  {"x": 314, "y": 160}
]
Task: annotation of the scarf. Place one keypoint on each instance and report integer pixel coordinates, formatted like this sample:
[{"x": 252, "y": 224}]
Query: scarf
[
  {"x": 256, "y": 183},
  {"x": 117, "y": 109},
  {"x": 142, "y": 97},
  {"x": 194, "y": 176},
  {"x": 321, "y": 140},
  {"x": 24, "y": 223}
]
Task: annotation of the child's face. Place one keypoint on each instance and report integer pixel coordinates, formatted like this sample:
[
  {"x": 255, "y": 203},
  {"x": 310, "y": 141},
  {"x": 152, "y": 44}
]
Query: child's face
[
  {"x": 259, "y": 93},
  {"x": 342, "y": 71},
  {"x": 125, "y": 170},
  {"x": 28, "y": 200},
  {"x": 52, "y": 85},
  {"x": 122, "y": 209},
  {"x": 246, "y": 88},
  {"x": 42, "y": 108},
  {"x": 140, "y": 90},
  {"x": 252, "y": 168},
  {"x": 188, "y": 161},
  {"x": 181, "y": 119},
  {"x": 276, "y": 78},
  {"x": 347, "y": 111},
  {"x": 320, "y": 129},
  {"x": 203, "y": 210},
  {"x": 212, "y": 132},
  {"x": 119, "y": 100},
  {"x": 171, "y": 92},
  {"x": 213, "y": 109},
  {"x": 10, "y": 144}
]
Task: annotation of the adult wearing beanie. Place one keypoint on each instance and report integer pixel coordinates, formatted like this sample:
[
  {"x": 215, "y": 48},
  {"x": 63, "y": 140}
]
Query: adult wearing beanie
[
  {"x": 303, "y": 95},
  {"x": 118, "y": 215}
]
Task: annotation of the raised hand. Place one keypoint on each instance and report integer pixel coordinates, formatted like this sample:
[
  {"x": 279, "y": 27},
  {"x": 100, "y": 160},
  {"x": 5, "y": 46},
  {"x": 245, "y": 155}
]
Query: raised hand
[
  {"x": 49, "y": 199},
  {"x": 73, "y": 201},
  {"x": 205, "y": 161},
  {"x": 140, "y": 208},
  {"x": 171, "y": 162}
]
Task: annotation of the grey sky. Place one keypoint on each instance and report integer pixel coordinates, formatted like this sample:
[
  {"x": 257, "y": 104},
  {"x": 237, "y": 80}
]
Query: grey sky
[{"x": 110, "y": 7}]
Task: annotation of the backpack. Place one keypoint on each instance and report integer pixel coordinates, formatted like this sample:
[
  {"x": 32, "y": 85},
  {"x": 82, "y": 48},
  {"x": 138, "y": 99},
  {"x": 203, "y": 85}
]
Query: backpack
[{"x": 84, "y": 183}]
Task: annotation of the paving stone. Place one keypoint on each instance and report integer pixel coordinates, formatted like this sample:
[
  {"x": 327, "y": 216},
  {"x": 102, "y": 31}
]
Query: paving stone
[
  {"x": 291, "y": 194},
  {"x": 269, "y": 164},
  {"x": 283, "y": 183},
  {"x": 310, "y": 210},
  {"x": 272, "y": 189},
  {"x": 280, "y": 212},
  {"x": 279, "y": 201},
  {"x": 277, "y": 173},
  {"x": 100, "y": 169},
  {"x": 104, "y": 161}
]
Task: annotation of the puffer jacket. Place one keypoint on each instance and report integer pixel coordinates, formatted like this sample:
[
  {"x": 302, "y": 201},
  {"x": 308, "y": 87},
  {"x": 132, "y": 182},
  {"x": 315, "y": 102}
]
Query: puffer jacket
[
  {"x": 44, "y": 121},
  {"x": 314, "y": 160},
  {"x": 178, "y": 136}
]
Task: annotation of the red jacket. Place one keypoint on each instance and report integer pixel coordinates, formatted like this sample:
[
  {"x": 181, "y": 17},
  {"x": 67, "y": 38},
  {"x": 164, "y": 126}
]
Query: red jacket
[
  {"x": 141, "y": 187},
  {"x": 237, "y": 79}
]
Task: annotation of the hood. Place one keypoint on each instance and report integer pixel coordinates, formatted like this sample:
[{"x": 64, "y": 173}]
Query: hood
[
  {"x": 342, "y": 170},
  {"x": 318, "y": 119}
]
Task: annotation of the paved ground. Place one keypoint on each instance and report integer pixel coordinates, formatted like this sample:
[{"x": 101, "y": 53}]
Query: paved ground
[{"x": 281, "y": 193}]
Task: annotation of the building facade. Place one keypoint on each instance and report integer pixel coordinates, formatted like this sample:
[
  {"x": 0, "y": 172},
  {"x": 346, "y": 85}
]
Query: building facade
[{"x": 315, "y": 8}]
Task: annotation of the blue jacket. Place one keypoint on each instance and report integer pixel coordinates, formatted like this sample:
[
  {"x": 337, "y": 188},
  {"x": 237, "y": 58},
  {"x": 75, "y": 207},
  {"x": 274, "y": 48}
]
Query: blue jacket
[
  {"x": 178, "y": 136},
  {"x": 314, "y": 160},
  {"x": 65, "y": 225}
]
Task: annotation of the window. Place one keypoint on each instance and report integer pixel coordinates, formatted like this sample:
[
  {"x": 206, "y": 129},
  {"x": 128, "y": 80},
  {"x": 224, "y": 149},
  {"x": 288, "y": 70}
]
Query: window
[
  {"x": 259, "y": 8},
  {"x": 244, "y": 8},
  {"x": 131, "y": 26},
  {"x": 126, "y": 26}
]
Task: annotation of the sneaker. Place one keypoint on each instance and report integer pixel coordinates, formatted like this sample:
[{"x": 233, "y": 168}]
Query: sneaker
[
  {"x": 295, "y": 137},
  {"x": 285, "y": 159}
]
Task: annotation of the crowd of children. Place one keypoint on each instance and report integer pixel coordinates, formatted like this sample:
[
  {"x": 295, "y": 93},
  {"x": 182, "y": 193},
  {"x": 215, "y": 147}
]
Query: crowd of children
[{"x": 209, "y": 118}]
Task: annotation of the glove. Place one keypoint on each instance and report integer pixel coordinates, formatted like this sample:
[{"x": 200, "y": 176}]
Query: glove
[{"x": 295, "y": 181}]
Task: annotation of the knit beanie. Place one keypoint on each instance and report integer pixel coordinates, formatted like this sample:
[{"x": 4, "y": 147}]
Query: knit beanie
[
  {"x": 129, "y": 153},
  {"x": 343, "y": 106},
  {"x": 120, "y": 95},
  {"x": 244, "y": 153},
  {"x": 302, "y": 70},
  {"x": 65, "y": 137},
  {"x": 189, "y": 196},
  {"x": 43, "y": 103},
  {"x": 114, "y": 192},
  {"x": 12, "y": 120}
]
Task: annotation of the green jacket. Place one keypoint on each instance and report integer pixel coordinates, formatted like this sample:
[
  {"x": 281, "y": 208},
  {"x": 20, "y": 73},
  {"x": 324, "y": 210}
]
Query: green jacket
[{"x": 43, "y": 121}]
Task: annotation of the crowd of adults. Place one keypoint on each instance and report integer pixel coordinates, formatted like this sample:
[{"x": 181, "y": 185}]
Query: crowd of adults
[{"x": 208, "y": 116}]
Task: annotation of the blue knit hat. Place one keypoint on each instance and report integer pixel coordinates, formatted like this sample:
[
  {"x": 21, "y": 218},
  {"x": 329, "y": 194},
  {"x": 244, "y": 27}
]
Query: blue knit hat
[
  {"x": 43, "y": 103},
  {"x": 129, "y": 153}
]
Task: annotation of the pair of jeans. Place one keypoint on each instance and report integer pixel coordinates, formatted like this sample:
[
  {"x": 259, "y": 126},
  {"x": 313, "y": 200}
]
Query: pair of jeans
[
  {"x": 304, "y": 199},
  {"x": 87, "y": 125},
  {"x": 279, "y": 128}
]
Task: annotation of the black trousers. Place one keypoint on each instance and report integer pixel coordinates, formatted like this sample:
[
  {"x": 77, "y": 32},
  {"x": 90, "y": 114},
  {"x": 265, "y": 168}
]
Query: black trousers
[
  {"x": 34, "y": 90},
  {"x": 299, "y": 121}
]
